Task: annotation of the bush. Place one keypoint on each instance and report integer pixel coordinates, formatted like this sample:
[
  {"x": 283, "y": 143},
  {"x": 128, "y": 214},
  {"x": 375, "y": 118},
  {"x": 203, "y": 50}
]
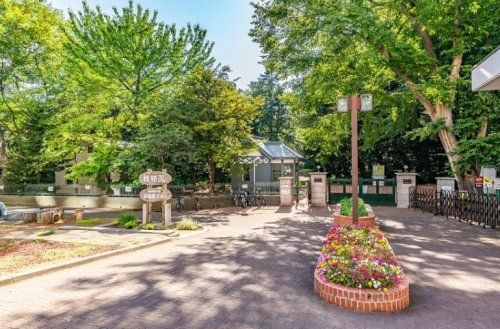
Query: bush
[
  {"x": 187, "y": 224},
  {"x": 130, "y": 225},
  {"x": 358, "y": 257},
  {"x": 126, "y": 218},
  {"x": 346, "y": 207}
]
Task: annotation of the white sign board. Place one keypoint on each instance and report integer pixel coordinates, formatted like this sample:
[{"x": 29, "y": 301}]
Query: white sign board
[
  {"x": 155, "y": 194},
  {"x": 155, "y": 178},
  {"x": 446, "y": 188},
  {"x": 128, "y": 189},
  {"x": 88, "y": 187},
  {"x": 50, "y": 188},
  {"x": 285, "y": 191},
  {"x": 496, "y": 184}
]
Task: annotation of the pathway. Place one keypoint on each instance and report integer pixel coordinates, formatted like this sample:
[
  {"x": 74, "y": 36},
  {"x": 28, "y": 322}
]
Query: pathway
[{"x": 253, "y": 269}]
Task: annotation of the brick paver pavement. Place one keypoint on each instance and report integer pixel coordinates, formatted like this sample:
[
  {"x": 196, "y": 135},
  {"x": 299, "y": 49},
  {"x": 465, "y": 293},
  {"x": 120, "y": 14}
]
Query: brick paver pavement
[{"x": 254, "y": 269}]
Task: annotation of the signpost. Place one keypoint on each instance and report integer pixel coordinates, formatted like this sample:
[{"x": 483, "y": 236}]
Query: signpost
[
  {"x": 156, "y": 191},
  {"x": 354, "y": 104}
]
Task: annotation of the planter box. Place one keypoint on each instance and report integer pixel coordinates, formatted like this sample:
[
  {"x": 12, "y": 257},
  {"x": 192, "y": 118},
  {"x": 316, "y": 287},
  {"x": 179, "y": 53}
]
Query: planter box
[
  {"x": 397, "y": 298},
  {"x": 347, "y": 220}
]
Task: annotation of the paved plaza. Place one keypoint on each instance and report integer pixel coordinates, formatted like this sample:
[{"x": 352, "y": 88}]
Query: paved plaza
[{"x": 253, "y": 269}]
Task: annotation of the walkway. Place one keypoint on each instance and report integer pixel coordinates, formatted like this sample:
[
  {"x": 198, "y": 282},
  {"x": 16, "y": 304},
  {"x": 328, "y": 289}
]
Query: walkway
[{"x": 254, "y": 269}]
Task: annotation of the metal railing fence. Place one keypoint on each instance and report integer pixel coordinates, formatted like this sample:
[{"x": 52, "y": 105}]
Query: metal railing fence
[{"x": 483, "y": 209}]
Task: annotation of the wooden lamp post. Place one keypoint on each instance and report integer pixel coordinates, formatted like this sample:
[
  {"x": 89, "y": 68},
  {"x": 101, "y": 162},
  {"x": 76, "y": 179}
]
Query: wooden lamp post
[{"x": 354, "y": 104}]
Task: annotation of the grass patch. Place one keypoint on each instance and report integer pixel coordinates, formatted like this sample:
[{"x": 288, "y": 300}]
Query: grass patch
[
  {"x": 46, "y": 233},
  {"x": 19, "y": 255},
  {"x": 89, "y": 222},
  {"x": 186, "y": 224}
]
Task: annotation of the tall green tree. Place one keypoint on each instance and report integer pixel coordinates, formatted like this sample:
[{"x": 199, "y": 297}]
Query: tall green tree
[
  {"x": 122, "y": 67},
  {"x": 350, "y": 46},
  {"x": 137, "y": 54},
  {"x": 274, "y": 122},
  {"x": 30, "y": 84},
  {"x": 218, "y": 118}
]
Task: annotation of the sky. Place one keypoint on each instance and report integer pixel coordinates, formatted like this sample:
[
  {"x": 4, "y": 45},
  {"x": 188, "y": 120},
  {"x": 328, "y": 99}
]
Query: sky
[{"x": 227, "y": 23}]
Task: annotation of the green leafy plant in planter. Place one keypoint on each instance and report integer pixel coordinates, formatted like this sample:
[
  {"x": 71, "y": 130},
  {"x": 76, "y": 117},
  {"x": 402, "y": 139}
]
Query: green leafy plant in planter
[
  {"x": 126, "y": 220},
  {"x": 346, "y": 207}
]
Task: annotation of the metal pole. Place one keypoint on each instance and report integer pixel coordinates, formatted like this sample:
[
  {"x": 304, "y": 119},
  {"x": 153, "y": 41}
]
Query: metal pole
[
  {"x": 254, "y": 176},
  {"x": 354, "y": 106}
]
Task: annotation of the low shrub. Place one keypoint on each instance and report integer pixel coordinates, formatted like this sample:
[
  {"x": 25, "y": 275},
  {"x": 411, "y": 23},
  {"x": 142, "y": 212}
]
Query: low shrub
[
  {"x": 130, "y": 225},
  {"x": 127, "y": 217},
  {"x": 187, "y": 224},
  {"x": 358, "y": 257},
  {"x": 346, "y": 207},
  {"x": 46, "y": 233}
]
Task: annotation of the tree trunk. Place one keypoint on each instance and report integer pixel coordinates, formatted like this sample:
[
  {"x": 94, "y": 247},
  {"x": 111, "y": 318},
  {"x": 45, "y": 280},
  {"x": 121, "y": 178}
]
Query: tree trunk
[
  {"x": 211, "y": 174},
  {"x": 450, "y": 143}
]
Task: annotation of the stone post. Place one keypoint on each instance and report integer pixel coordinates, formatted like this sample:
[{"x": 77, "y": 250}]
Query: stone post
[
  {"x": 167, "y": 215},
  {"x": 404, "y": 180},
  {"x": 286, "y": 192},
  {"x": 319, "y": 189},
  {"x": 445, "y": 183}
]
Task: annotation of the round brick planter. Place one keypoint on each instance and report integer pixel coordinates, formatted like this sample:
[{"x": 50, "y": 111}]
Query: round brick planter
[
  {"x": 395, "y": 299},
  {"x": 347, "y": 220}
]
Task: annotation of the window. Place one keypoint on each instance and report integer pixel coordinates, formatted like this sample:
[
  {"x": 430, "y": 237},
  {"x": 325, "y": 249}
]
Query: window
[
  {"x": 287, "y": 170},
  {"x": 276, "y": 167},
  {"x": 246, "y": 173}
]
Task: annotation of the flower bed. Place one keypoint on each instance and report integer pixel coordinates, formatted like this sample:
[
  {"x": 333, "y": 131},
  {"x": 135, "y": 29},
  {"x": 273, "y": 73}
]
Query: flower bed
[{"x": 357, "y": 269}]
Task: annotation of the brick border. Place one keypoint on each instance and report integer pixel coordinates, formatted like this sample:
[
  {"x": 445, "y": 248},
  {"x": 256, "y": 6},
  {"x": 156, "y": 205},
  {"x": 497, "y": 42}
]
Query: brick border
[
  {"x": 342, "y": 220},
  {"x": 397, "y": 298}
]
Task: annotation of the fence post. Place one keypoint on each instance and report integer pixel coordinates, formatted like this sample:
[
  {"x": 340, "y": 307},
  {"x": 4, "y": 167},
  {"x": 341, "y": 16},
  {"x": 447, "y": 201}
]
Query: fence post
[{"x": 404, "y": 180}]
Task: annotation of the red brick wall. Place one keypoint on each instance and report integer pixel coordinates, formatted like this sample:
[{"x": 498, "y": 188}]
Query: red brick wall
[{"x": 395, "y": 299}]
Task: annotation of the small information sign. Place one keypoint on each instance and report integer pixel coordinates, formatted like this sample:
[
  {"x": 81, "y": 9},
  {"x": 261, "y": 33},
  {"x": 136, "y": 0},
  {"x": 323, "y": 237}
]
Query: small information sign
[
  {"x": 488, "y": 182},
  {"x": 128, "y": 189},
  {"x": 50, "y": 188},
  {"x": 479, "y": 182},
  {"x": 155, "y": 194},
  {"x": 496, "y": 184}
]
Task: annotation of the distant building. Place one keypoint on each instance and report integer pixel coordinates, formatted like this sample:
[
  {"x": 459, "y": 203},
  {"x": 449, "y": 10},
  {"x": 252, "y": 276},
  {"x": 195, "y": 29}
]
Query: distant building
[{"x": 260, "y": 170}]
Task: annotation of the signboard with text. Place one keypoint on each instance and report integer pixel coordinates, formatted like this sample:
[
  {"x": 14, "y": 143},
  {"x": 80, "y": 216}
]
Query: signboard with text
[
  {"x": 155, "y": 178},
  {"x": 478, "y": 182},
  {"x": 155, "y": 194}
]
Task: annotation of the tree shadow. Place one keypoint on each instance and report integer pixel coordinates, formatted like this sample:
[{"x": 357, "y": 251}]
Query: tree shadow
[{"x": 263, "y": 278}]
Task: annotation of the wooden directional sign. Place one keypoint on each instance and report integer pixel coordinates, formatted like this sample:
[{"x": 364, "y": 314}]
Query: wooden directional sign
[
  {"x": 155, "y": 178},
  {"x": 155, "y": 194}
]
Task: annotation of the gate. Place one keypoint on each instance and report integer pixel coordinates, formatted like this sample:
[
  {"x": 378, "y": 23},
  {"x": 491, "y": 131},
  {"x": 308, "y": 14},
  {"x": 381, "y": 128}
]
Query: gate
[{"x": 376, "y": 192}]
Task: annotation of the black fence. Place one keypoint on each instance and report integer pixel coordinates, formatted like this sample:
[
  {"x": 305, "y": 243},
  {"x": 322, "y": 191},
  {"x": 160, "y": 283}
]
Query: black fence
[{"x": 483, "y": 209}]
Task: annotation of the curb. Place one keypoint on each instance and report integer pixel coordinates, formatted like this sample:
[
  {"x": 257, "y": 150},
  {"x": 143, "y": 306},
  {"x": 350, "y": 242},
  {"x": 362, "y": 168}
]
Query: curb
[
  {"x": 73, "y": 263},
  {"x": 119, "y": 230}
]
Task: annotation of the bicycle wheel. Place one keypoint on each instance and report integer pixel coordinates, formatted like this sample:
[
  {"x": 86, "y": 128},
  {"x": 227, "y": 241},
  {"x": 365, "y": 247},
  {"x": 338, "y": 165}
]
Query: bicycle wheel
[
  {"x": 252, "y": 200},
  {"x": 179, "y": 206},
  {"x": 262, "y": 201}
]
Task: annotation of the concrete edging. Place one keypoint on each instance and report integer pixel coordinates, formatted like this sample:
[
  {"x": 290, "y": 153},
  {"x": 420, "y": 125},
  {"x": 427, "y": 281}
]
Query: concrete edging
[
  {"x": 73, "y": 263},
  {"x": 118, "y": 230}
]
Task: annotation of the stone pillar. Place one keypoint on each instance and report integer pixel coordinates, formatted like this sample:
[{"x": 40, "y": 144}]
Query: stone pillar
[
  {"x": 60, "y": 178},
  {"x": 404, "y": 180},
  {"x": 319, "y": 189},
  {"x": 445, "y": 183},
  {"x": 167, "y": 215},
  {"x": 286, "y": 191}
]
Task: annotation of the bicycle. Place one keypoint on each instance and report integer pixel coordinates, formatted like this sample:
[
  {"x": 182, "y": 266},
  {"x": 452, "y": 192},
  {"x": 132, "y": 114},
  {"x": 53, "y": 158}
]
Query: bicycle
[
  {"x": 241, "y": 199},
  {"x": 256, "y": 200},
  {"x": 179, "y": 205}
]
